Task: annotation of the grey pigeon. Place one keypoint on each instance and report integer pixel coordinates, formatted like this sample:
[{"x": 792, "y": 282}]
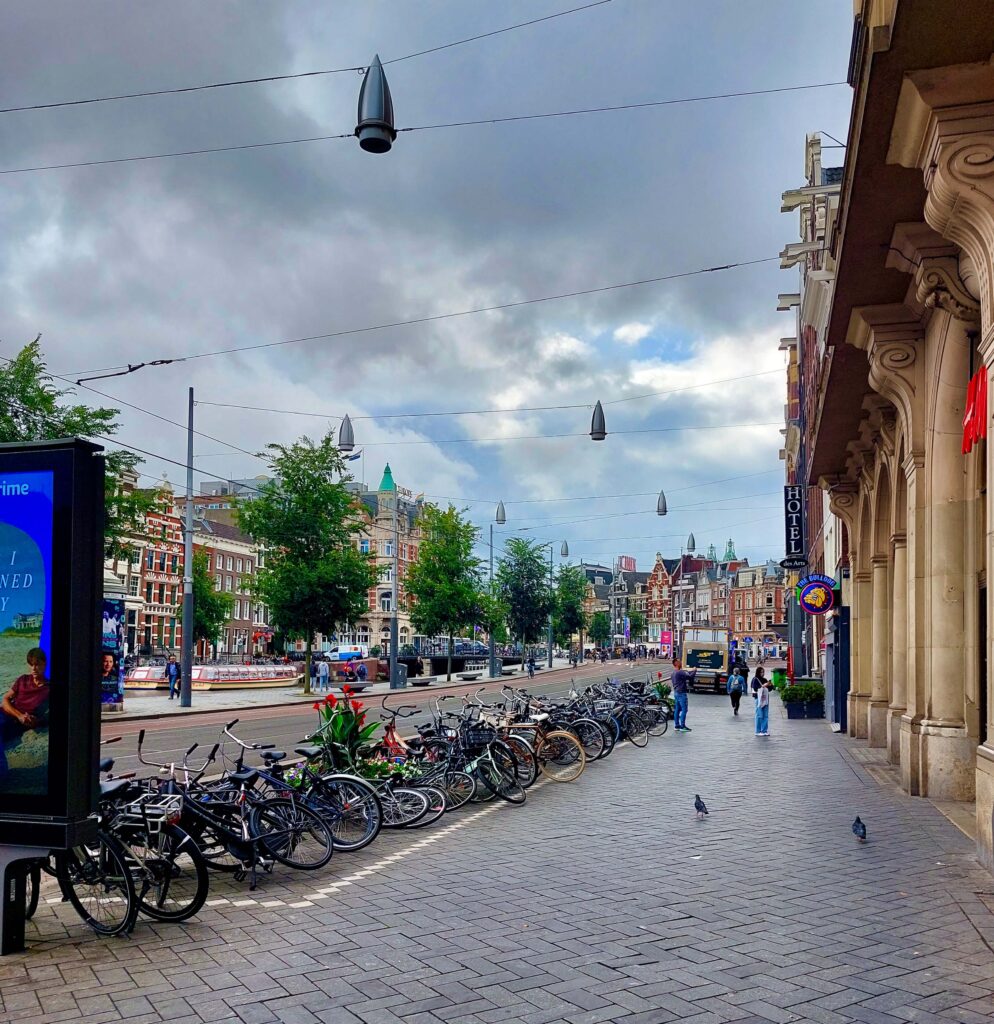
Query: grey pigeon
[
  {"x": 859, "y": 830},
  {"x": 700, "y": 807}
]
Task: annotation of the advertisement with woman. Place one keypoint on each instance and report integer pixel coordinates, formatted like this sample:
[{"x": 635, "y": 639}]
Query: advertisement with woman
[{"x": 26, "y": 513}]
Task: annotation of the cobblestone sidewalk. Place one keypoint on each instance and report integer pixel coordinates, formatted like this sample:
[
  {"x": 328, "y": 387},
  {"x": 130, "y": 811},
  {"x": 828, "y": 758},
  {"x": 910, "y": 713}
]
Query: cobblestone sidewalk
[{"x": 595, "y": 902}]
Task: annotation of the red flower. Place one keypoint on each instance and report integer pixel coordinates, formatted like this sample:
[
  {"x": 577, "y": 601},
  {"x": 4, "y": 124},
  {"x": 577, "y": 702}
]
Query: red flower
[
  {"x": 356, "y": 705},
  {"x": 659, "y": 675},
  {"x": 316, "y": 706},
  {"x": 347, "y": 690},
  {"x": 330, "y": 700},
  {"x": 362, "y": 718}
]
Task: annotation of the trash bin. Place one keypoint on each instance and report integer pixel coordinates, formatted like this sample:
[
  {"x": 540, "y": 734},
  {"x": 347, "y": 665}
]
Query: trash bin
[
  {"x": 401, "y": 680},
  {"x": 779, "y": 677}
]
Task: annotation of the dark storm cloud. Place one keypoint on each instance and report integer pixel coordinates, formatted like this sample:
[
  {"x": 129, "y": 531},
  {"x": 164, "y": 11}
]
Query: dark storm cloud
[{"x": 138, "y": 261}]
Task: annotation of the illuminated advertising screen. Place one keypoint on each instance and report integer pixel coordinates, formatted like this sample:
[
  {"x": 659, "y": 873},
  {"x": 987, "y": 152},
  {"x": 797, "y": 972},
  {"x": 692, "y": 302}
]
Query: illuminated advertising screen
[
  {"x": 112, "y": 654},
  {"x": 28, "y": 664}
]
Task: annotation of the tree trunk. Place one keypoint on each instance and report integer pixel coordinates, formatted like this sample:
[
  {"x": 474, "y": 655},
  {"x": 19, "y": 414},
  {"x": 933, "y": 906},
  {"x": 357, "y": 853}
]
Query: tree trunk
[
  {"x": 448, "y": 669},
  {"x": 307, "y": 665}
]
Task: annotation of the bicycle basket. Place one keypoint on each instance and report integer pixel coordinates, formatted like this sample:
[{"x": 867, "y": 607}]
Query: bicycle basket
[
  {"x": 153, "y": 810},
  {"x": 476, "y": 736}
]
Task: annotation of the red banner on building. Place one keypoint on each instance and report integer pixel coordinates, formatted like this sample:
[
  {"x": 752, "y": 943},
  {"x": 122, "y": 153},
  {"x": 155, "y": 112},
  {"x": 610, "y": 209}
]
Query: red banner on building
[{"x": 975, "y": 414}]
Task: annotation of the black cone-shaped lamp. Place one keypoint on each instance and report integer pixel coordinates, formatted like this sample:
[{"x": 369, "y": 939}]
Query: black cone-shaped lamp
[{"x": 375, "y": 130}]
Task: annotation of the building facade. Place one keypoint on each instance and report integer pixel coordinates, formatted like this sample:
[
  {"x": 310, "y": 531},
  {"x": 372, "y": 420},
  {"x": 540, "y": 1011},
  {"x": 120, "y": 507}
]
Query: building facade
[
  {"x": 159, "y": 624},
  {"x": 756, "y": 597},
  {"x": 899, "y": 414}
]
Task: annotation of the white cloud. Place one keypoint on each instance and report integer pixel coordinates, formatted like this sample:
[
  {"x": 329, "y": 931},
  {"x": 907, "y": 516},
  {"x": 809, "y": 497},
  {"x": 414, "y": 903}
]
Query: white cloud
[{"x": 632, "y": 334}]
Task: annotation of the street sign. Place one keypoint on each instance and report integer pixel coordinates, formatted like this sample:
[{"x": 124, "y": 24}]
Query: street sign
[
  {"x": 793, "y": 563},
  {"x": 816, "y": 594}
]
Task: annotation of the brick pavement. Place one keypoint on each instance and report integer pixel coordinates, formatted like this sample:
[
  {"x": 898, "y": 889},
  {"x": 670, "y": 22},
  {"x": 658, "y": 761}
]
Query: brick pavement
[{"x": 597, "y": 902}]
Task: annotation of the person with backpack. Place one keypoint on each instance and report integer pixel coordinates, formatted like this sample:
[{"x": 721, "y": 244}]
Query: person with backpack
[
  {"x": 736, "y": 687},
  {"x": 361, "y": 673}
]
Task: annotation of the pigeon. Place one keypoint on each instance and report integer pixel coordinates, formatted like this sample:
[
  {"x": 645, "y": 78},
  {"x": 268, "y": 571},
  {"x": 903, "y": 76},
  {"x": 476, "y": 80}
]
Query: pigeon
[
  {"x": 859, "y": 830},
  {"x": 701, "y": 807}
]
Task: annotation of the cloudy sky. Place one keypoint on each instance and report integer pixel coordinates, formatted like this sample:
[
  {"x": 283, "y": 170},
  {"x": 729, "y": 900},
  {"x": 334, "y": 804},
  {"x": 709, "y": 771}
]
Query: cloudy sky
[{"x": 160, "y": 259}]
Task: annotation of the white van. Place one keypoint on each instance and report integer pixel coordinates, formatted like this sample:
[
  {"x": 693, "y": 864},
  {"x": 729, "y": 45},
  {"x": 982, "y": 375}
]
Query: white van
[{"x": 348, "y": 652}]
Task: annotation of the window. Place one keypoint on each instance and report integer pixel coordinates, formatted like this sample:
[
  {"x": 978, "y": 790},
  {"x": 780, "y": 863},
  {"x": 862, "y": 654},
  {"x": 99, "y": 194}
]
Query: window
[
  {"x": 238, "y": 584},
  {"x": 150, "y": 559},
  {"x": 385, "y": 601},
  {"x": 388, "y": 548},
  {"x": 227, "y": 582},
  {"x": 217, "y": 582},
  {"x": 162, "y": 561},
  {"x": 162, "y": 593},
  {"x": 769, "y": 600},
  {"x": 237, "y": 609},
  {"x": 219, "y": 564},
  {"x": 136, "y": 557},
  {"x": 230, "y": 564},
  {"x": 174, "y": 564},
  {"x": 388, "y": 574},
  {"x": 172, "y": 595},
  {"x": 364, "y": 547},
  {"x": 133, "y": 585},
  {"x": 238, "y": 565},
  {"x": 748, "y": 601},
  {"x": 248, "y": 564},
  {"x": 148, "y": 592}
]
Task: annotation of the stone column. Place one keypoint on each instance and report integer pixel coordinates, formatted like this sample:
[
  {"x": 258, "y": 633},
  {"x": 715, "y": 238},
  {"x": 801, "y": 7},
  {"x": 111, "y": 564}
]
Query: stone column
[
  {"x": 899, "y": 649},
  {"x": 882, "y": 637},
  {"x": 861, "y": 640}
]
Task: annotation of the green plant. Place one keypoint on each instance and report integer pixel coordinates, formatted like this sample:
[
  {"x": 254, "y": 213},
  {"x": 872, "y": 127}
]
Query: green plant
[
  {"x": 374, "y": 651},
  {"x": 662, "y": 690},
  {"x": 342, "y": 729},
  {"x": 815, "y": 692},
  {"x": 794, "y": 694}
]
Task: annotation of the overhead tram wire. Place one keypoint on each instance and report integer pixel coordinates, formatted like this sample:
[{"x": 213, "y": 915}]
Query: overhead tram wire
[
  {"x": 419, "y": 128},
  {"x": 128, "y": 368},
  {"x": 484, "y": 412},
  {"x": 144, "y": 94}
]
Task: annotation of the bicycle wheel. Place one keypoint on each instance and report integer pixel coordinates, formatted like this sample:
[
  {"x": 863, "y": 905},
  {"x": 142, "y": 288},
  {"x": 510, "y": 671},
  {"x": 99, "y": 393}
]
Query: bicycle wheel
[
  {"x": 524, "y": 755},
  {"x": 459, "y": 788},
  {"x": 96, "y": 880},
  {"x": 351, "y": 808},
  {"x": 436, "y": 807},
  {"x": 32, "y": 890},
  {"x": 660, "y": 720},
  {"x": 220, "y": 851},
  {"x": 402, "y": 806},
  {"x": 589, "y": 733},
  {"x": 561, "y": 757},
  {"x": 499, "y": 775},
  {"x": 170, "y": 874},
  {"x": 636, "y": 727},
  {"x": 294, "y": 834},
  {"x": 609, "y": 739}
]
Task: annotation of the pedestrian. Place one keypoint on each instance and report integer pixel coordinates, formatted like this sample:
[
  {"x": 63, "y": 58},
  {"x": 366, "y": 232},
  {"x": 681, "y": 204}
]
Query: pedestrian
[
  {"x": 531, "y": 666},
  {"x": 679, "y": 681},
  {"x": 323, "y": 675},
  {"x": 763, "y": 709},
  {"x": 361, "y": 672},
  {"x": 174, "y": 676},
  {"x": 759, "y": 680},
  {"x": 314, "y": 673},
  {"x": 736, "y": 687}
]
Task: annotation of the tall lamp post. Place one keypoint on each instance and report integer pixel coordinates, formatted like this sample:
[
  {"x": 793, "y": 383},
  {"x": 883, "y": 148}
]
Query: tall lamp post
[{"x": 500, "y": 517}]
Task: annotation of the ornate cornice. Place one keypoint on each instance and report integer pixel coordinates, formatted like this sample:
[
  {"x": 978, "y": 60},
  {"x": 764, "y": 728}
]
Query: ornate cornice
[{"x": 938, "y": 285}]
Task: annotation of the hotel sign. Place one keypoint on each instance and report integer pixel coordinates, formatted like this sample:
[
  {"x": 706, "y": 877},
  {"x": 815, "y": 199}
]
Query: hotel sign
[{"x": 793, "y": 514}]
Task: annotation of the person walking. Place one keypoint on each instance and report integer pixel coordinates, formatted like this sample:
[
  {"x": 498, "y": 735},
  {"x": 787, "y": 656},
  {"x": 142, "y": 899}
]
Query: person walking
[
  {"x": 763, "y": 709},
  {"x": 680, "y": 681},
  {"x": 174, "y": 676},
  {"x": 324, "y": 673},
  {"x": 736, "y": 687},
  {"x": 759, "y": 680}
]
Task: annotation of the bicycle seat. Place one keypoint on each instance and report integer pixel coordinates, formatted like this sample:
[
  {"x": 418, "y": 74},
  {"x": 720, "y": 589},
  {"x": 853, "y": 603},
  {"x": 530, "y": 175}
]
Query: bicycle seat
[
  {"x": 307, "y": 751},
  {"x": 273, "y": 755},
  {"x": 246, "y": 775},
  {"x": 114, "y": 786},
  {"x": 106, "y": 763}
]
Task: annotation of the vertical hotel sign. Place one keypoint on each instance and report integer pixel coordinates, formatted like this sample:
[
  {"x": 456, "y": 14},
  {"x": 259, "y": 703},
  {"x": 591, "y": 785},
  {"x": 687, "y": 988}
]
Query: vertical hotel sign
[{"x": 793, "y": 515}]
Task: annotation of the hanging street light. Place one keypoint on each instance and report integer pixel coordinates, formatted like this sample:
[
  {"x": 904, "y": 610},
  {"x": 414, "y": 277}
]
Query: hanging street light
[
  {"x": 661, "y": 504},
  {"x": 691, "y": 544},
  {"x": 564, "y": 551},
  {"x": 346, "y": 436},
  {"x": 375, "y": 130},
  {"x": 598, "y": 429}
]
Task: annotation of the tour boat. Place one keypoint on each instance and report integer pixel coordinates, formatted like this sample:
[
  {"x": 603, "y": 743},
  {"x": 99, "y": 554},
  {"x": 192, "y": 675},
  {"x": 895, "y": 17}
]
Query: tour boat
[{"x": 217, "y": 677}]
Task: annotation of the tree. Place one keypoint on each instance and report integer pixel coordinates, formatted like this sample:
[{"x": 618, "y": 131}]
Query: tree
[
  {"x": 315, "y": 578},
  {"x": 32, "y": 408},
  {"x": 569, "y": 617},
  {"x": 523, "y": 586},
  {"x": 211, "y": 608},
  {"x": 600, "y": 628},
  {"x": 444, "y": 580},
  {"x": 636, "y": 625}
]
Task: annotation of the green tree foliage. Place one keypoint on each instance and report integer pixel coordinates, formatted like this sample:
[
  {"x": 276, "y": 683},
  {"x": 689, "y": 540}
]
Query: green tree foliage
[
  {"x": 315, "y": 579},
  {"x": 568, "y": 616},
  {"x": 600, "y": 628},
  {"x": 444, "y": 580},
  {"x": 211, "y": 608},
  {"x": 33, "y": 408},
  {"x": 523, "y": 586},
  {"x": 636, "y": 626}
]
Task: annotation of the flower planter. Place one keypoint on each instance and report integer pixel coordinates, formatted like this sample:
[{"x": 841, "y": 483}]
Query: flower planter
[
  {"x": 814, "y": 709},
  {"x": 795, "y": 709}
]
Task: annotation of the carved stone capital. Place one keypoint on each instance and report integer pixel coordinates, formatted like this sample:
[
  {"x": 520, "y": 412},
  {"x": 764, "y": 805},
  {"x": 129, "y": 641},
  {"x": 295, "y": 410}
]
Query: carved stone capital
[
  {"x": 938, "y": 285},
  {"x": 843, "y": 499}
]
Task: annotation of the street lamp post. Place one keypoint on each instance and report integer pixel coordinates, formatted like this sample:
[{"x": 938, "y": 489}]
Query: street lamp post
[
  {"x": 394, "y": 634},
  {"x": 501, "y": 518}
]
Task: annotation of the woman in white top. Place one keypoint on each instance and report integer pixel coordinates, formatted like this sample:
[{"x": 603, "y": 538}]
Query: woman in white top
[{"x": 763, "y": 710}]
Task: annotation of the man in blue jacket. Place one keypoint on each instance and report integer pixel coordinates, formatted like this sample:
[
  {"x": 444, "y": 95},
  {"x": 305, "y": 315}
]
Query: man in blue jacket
[
  {"x": 173, "y": 675},
  {"x": 679, "y": 681}
]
